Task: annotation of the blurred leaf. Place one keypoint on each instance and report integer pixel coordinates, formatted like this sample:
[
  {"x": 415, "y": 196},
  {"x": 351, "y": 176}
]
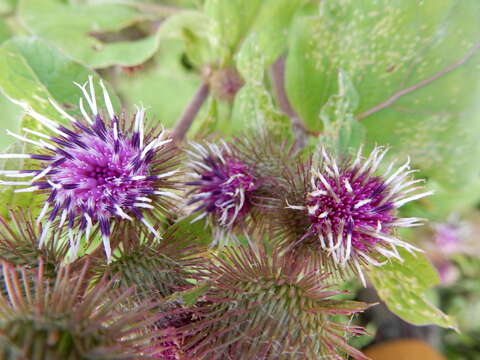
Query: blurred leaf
[
  {"x": 207, "y": 119},
  {"x": 10, "y": 120},
  {"x": 32, "y": 71},
  {"x": 447, "y": 200},
  {"x": 165, "y": 86},
  {"x": 304, "y": 84},
  {"x": 233, "y": 18},
  {"x": 265, "y": 23},
  {"x": 5, "y": 32},
  {"x": 270, "y": 30},
  {"x": 389, "y": 48},
  {"x": 341, "y": 131},
  {"x": 402, "y": 286},
  {"x": 7, "y": 6},
  {"x": 194, "y": 29},
  {"x": 77, "y": 30},
  {"x": 8, "y": 198},
  {"x": 253, "y": 106}
]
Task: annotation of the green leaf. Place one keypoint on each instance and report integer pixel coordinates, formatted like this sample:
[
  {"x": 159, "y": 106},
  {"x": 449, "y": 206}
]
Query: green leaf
[
  {"x": 304, "y": 84},
  {"x": 253, "y": 106},
  {"x": 7, "y": 6},
  {"x": 165, "y": 86},
  {"x": 77, "y": 30},
  {"x": 32, "y": 71},
  {"x": 11, "y": 114},
  {"x": 8, "y": 197},
  {"x": 447, "y": 201},
  {"x": 208, "y": 119},
  {"x": 233, "y": 20},
  {"x": 402, "y": 286},
  {"x": 194, "y": 29},
  {"x": 5, "y": 31},
  {"x": 265, "y": 23},
  {"x": 414, "y": 66},
  {"x": 270, "y": 29},
  {"x": 342, "y": 133}
]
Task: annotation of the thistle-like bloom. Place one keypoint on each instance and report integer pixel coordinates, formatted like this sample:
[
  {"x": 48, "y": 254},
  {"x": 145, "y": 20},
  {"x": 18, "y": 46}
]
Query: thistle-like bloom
[
  {"x": 349, "y": 213},
  {"x": 69, "y": 320},
  {"x": 103, "y": 168},
  {"x": 261, "y": 306},
  {"x": 223, "y": 185}
]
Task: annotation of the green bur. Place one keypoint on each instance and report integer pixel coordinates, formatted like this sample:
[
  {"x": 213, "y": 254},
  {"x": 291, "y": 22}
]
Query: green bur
[
  {"x": 68, "y": 320},
  {"x": 261, "y": 306}
]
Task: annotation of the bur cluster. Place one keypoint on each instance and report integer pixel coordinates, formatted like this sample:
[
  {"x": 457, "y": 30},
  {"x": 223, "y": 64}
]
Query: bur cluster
[{"x": 214, "y": 249}]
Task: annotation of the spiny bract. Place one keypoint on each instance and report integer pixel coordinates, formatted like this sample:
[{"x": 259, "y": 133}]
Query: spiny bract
[
  {"x": 18, "y": 244},
  {"x": 157, "y": 268},
  {"x": 260, "y": 306}
]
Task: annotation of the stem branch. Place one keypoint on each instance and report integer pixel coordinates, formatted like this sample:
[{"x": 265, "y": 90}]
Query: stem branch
[
  {"x": 277, "y": 72},
  {"x": 182, "y": 126}
]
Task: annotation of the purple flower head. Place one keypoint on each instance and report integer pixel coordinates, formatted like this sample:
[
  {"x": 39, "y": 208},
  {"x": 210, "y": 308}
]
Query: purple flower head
[
  {"x": 103, "y": 168},
  {"x": 223, "y": 185},
  {"x": 448, "y": 238},
  {"x": 352, "y": 213}
]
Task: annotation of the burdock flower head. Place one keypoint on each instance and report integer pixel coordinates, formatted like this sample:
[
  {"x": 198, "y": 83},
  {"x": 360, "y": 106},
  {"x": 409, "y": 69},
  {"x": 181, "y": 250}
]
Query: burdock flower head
[
  {"x": 348, "y": 214},
  {"x": 261, "y": 306},
  {"x": 223, "y": 186},
  {"x": 105, "y": 167}
]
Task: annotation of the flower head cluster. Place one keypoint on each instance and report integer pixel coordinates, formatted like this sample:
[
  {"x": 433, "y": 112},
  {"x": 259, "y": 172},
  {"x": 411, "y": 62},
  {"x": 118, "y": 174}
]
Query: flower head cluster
[
  {"x": 262, "y": 307},
  {"x": 223, "y": 186},
  {"x": 350, "y": 213},
  {"x": 103, "y": 168}
]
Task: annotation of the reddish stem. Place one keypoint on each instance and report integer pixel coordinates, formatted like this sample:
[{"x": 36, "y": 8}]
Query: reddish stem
[{"x": 185, "y": 122}]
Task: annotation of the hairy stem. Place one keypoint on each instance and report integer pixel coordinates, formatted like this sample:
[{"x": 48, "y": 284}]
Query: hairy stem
[
  {"x": 182, "y": 126},
  {"x": 277, "y": 72},
  {"x": 424, "y": 82}
]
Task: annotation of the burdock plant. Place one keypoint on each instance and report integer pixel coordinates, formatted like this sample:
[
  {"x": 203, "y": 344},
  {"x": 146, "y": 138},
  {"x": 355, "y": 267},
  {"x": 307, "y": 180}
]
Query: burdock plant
[
  {"x": 68, "y": 321},
  {"x": 104, "y": 169},
  {"x": 261, "y": 306},
  {"x": 344, "y": 214},
  {"x": 224, "y": 222}
]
